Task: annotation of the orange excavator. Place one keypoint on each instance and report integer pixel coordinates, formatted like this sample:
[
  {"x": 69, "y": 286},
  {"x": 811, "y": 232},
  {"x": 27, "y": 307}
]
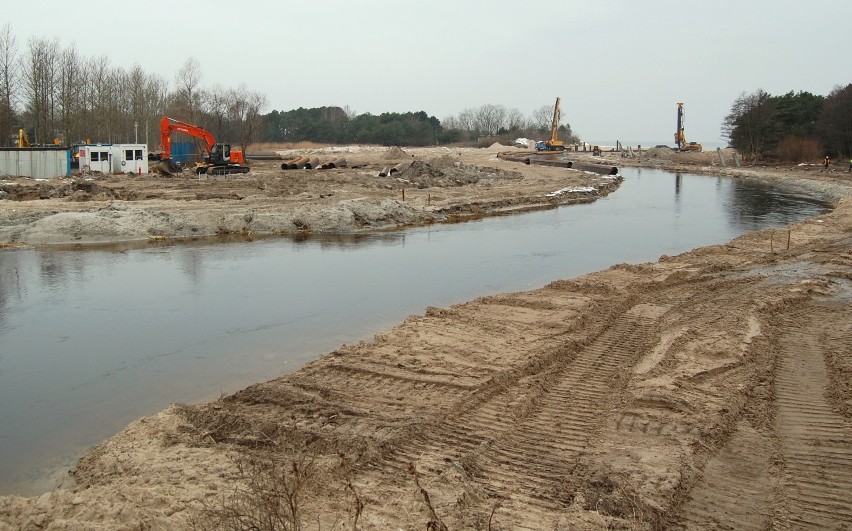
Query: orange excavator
[{"x": 220, "y": 159}]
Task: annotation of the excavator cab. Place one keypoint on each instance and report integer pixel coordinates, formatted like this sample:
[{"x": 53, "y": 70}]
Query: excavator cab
[{"x": 220, "y": 154}]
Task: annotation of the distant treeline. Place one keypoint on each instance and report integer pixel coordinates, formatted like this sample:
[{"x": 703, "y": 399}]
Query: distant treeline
[
  {"x": 333, "y": 125},
  {"x": 794, "y": 127},
  {"x": 336, "y": 125}
]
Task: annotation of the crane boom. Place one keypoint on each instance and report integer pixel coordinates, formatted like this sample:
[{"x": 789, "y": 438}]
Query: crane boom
[
  {"x": 554, "y": 144},
  {"x": 554, "y": 129},
  {"x": 23, "y": 139},
  {"x": 680, "y": 136}
]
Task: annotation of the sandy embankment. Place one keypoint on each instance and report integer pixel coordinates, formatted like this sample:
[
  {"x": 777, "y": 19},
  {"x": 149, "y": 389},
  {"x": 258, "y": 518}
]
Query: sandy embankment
[
  {"x": 433, "y": 185},
  {"x": 710, "y": 389}
]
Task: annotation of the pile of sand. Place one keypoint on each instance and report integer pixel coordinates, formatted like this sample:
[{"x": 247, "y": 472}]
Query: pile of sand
[
  {"x": 658, "y": 152},
  {"x": 395, "y": 153}
]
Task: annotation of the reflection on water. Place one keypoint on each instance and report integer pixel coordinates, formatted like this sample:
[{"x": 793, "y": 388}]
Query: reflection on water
[{"x": 91, "y": 339}]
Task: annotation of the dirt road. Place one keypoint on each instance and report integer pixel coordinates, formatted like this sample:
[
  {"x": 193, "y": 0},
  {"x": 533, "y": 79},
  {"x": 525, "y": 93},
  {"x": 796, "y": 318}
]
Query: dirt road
[{"x": 707, "y": 390}]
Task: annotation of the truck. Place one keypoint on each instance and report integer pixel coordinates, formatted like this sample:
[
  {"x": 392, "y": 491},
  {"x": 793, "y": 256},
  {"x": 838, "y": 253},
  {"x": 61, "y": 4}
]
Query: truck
[{"x": 220, "y": 159}]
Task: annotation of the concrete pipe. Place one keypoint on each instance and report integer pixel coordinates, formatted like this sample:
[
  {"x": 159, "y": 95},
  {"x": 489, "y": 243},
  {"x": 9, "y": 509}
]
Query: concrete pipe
[
  {"x": 312, "y": 163},
  {"x": 263, "y": 155},
  {"x": 299, "y": 163},
  {"x": 398, "y": 168},
  {"x": 384, "y": 172}
]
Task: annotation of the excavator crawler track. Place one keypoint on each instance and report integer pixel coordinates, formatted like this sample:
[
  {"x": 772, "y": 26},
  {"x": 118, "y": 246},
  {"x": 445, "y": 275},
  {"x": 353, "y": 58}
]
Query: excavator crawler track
[{"x": 227, "y": 170}]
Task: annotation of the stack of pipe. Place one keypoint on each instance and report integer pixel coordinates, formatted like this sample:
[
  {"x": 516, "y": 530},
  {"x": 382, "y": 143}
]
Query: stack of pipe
[
  {"x": 336, "y": 163},
  {"x": 295, "y": 164}
]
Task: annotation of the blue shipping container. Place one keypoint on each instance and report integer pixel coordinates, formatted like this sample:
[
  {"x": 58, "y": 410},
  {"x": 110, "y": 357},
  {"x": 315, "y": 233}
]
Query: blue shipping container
[{"x": 183, "y": 152}]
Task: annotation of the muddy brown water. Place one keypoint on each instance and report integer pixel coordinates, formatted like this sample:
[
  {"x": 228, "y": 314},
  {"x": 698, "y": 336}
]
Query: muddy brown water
[{"x": 92, "y": 339}]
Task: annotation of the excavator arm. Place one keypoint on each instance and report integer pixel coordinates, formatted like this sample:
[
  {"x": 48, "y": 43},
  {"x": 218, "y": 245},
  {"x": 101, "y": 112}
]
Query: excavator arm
[{"x": 167, "y": 125}]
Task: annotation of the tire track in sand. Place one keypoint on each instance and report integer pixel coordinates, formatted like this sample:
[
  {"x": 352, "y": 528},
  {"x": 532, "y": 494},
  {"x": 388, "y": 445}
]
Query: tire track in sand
[
  {"x": 529, "y": 459},
  {"x": 737, "y": 490},
  {"x": 811, "y": 491},
  {"x": 815, "y": 440}
]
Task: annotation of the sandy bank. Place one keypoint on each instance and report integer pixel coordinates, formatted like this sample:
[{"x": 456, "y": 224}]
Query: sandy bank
[{"x": 434, "y": 185}]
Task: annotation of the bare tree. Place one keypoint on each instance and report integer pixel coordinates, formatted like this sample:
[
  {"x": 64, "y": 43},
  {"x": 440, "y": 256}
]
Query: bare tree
[
  {"x": 69, "y": 91},
  {"x": 543, "y": 118},
  {"x": 138, "y": 102},
  {"x": 351, "y": 114},
  {"x": 515, "y": 120},
  {"x": 188, "y": 97},
  {"x": 121, "y": 117},
  {"x": 65, "y": 95},
  {"x": 244, "y": 114},
  {"x": 217, "y": 103},
  {"x": 100, "y": 94},
  {"x": 8, "y": 82},
  {"x": 489, "y": 119},
  {"x": 467, "y": 120},
  {"x": 39, "y": 78},
  {"x": 156, "y": 96},
  {"x": 450, "y": 122}
]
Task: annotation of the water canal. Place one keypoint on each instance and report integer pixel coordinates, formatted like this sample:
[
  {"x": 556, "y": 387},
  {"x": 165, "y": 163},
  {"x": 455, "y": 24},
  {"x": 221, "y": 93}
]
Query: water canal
[{"x": 91, "y": 340}]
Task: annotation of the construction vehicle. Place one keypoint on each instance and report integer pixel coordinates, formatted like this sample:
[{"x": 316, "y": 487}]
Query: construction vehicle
[
  {"x": 220, "y": 158},
  {"x": 680, "y": 137},
  {"x": 23, "y": 139},
  {"x": 554, "y": 144}
]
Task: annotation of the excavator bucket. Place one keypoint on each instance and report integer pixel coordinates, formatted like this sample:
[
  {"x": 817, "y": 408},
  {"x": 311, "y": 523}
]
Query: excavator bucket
[{"x": 167, "y": 167}]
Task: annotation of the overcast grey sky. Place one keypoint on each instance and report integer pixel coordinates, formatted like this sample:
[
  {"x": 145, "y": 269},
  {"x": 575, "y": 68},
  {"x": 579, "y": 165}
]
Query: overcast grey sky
[{"x": 620, "y": 67}]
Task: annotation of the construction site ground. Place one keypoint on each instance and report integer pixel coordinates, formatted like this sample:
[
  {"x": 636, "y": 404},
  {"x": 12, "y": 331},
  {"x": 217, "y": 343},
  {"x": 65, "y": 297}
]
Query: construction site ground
[
  {"x": 433, "y": 185},
  {"x": 712, "y": 389}
]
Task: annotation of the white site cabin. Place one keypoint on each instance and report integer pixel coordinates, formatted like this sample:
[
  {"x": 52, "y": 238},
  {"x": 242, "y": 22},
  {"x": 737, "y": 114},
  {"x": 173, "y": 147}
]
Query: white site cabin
[{"x": 114, "y": 158}]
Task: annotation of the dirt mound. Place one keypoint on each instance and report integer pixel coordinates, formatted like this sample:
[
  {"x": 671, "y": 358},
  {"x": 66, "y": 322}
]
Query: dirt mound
[
  {"x": 395, "y": 153},
  {"x": 658, "y": 152},
  {"x": 442, "y": 172}
]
